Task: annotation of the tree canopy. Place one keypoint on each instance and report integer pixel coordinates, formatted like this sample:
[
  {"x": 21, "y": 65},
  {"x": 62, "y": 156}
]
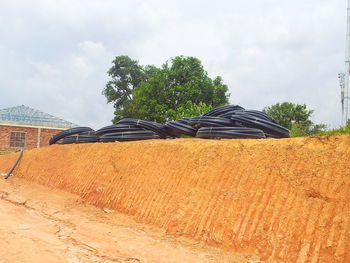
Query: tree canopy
[
  {"x": 180, "y": 86},
  {"x": 295, "y": 117}
]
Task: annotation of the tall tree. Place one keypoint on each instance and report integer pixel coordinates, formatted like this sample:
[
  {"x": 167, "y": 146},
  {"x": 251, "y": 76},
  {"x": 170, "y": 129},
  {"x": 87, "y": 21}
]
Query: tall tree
[
  {"x": 295, "y": 117},
  {"x": 159, "y": 94},
  {"x": 287, "y": 113},
  {"x": 125, "y": 75}
]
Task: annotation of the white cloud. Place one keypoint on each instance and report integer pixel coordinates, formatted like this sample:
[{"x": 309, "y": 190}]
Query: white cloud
[
  {"x": 55, "y": 54},
  {"x": 70, "y": 88},
  {"x": 92, "y": 48}
]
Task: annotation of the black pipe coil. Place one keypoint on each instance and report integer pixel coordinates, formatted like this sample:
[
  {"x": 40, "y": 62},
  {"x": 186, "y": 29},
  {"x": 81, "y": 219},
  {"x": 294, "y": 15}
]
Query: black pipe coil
[
  {"x": 229, "y": 121},
  {"x": 222, "y": 110},
  {"x": 80, "y": 138},
  {"x": 253, "y": 113},
  {"x": 184, "y": 120},
  {"x": 269, "y": 128},
  {"x": 128, "y": 136},
  {"x": 147, "y": 125},
  {"x": 68, "y": 132},
  {"x": 117, "y": 128},
  {"x": 14, "y": 166},
  {"x": 209, "y": 121},
  {"x": 176, "y": 129},
  {"x": 230, "y": 133}
]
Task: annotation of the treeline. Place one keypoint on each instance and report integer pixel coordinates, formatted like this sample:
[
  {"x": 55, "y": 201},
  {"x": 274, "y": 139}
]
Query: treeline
[{"x": 182, "y": 88}]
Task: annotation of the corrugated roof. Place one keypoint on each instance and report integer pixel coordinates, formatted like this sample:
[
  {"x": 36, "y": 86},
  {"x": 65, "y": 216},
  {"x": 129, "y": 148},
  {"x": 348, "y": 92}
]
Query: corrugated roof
[{"x": 26, "y": 115}]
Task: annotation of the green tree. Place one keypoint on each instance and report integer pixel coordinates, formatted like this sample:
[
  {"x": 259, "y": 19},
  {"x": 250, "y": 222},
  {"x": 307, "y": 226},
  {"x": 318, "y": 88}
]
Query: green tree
[
  {"x": 188, "y": 109},
  {"x": 180, "y": 86},
  {"x": 125, "y": 75},
  {"x": 295, "y": 117},
  {"x": 287, "y": 113}
]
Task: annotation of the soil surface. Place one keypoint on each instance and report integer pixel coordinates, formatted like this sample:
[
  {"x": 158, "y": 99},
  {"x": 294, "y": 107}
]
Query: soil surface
[
  {"x": 39, "y": 224},
  {"x": 286, "y": 200}
]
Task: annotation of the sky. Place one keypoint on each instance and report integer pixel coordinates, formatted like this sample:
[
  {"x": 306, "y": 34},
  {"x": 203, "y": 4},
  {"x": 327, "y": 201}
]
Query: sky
[{"x": 54, "y": 55}]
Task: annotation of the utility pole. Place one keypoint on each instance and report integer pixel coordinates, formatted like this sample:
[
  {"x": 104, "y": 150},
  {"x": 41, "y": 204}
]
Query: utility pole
[
  {"x": 341, "y": 77},
  {"x": 347, "y": 70}
]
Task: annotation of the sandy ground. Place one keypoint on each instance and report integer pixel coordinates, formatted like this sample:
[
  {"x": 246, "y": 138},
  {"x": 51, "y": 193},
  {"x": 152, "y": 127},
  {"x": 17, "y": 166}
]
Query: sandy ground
[
  {"x": 286, "y": 200},
  {"x": 40, "y": 224}
]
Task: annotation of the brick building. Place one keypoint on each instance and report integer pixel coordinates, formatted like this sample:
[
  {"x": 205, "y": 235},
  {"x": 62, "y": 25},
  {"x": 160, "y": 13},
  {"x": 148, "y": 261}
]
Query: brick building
[{"x": 24, "y": 127}]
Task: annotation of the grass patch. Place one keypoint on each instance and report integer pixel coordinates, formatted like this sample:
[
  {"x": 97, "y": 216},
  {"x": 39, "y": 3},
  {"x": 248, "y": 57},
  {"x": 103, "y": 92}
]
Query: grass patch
[
  {"x": 342, "y": 130},
  {"x": 5, "y": 152}
]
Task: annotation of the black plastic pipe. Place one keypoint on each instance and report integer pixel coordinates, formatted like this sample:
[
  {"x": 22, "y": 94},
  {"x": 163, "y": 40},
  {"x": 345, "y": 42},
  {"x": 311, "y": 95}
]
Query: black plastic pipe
[{"x": 14, "y": 166}]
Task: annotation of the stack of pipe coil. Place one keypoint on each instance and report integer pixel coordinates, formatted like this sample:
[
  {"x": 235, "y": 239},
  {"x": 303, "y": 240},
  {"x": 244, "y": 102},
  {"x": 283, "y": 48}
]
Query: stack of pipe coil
[{"x": 229, "y": 122}]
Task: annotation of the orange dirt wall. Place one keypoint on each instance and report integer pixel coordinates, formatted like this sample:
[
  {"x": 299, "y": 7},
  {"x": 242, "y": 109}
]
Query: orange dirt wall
[{"x": 286, "y": 200}]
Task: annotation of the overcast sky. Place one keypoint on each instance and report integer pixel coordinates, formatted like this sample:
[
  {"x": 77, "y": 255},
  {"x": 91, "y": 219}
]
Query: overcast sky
[{"x": 54, "y": 55}]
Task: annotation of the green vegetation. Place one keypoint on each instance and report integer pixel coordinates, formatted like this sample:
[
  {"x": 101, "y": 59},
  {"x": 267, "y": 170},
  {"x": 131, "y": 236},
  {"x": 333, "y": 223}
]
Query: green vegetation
[
  {"x": 287, "y": 114},
  {"x": 5, "y": 152},
  {"x": 181, "y": 87},
  {"x": 296, "y": 118},
  {"x": 342, "y": 130}
]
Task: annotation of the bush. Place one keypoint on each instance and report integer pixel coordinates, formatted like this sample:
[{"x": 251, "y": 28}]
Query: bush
[{"x": 342, "y": 130}]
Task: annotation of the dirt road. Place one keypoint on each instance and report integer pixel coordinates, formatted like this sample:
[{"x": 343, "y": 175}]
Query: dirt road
[{"x": 39, "y": 224}]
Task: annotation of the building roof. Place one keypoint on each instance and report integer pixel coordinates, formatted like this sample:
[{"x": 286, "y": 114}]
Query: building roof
[{"x": 25, "y": 115}]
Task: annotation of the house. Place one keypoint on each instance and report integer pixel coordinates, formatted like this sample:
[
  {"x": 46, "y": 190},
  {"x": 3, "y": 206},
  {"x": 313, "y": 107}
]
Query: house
[{"x": 24, "y": 127}]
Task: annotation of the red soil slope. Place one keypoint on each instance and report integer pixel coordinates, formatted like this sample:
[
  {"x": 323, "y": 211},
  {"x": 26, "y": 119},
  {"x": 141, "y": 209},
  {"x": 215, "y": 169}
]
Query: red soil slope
[{"x": 285, "y": 200}]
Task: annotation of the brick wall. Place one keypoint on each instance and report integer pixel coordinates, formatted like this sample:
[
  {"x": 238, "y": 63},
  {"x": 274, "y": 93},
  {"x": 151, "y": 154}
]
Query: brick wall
[
  {"x": 46, "y": 135},
  {"x": 31, "y": 137}
]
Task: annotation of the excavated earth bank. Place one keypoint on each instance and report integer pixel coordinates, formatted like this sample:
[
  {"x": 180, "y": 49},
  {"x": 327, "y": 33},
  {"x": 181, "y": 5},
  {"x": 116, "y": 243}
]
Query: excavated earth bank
[{"x": 286, "y": 200}]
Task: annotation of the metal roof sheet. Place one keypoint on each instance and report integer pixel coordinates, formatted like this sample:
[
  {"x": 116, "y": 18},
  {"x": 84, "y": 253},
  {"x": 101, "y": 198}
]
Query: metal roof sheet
[{"x": 26, "y": 115}]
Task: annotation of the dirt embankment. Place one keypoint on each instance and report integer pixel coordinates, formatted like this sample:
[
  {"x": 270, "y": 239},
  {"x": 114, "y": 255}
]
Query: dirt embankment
[{"x": 286, "y": 200}]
